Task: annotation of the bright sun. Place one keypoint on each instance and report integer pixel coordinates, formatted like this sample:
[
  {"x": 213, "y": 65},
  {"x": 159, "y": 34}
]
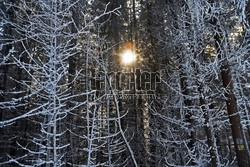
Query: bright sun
[{"x": 128, "y": 57}]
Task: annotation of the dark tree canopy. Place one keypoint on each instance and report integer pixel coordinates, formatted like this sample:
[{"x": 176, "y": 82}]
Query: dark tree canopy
[{"x": 125, "y": 83}]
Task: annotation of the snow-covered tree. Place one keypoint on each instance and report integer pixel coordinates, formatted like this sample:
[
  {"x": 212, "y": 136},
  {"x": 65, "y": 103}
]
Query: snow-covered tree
[{"x": 46, "y": 41}]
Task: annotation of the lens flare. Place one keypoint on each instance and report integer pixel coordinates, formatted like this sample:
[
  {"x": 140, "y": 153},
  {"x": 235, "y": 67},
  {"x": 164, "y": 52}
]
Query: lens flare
[{"x": 128, "y": 57}]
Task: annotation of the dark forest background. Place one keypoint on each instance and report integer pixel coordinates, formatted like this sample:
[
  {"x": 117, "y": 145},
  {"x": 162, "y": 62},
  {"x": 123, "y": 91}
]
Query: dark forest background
[{"x": 52, "y": 112}]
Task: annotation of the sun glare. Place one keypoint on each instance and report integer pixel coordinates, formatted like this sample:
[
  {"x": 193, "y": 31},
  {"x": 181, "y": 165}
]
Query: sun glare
[{"x": 128, "y": 57}]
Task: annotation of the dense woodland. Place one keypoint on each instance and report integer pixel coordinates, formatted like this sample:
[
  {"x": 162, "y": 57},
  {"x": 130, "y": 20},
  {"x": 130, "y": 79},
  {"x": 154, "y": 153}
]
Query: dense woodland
[{"x": 58, "y": 106}]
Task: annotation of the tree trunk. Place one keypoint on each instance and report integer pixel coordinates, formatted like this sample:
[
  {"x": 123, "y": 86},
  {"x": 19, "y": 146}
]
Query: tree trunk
[
  {"x": 188, "y": 115},
  {"x": 209, "y": 131},
  {"x": 231, "y": 103}
]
